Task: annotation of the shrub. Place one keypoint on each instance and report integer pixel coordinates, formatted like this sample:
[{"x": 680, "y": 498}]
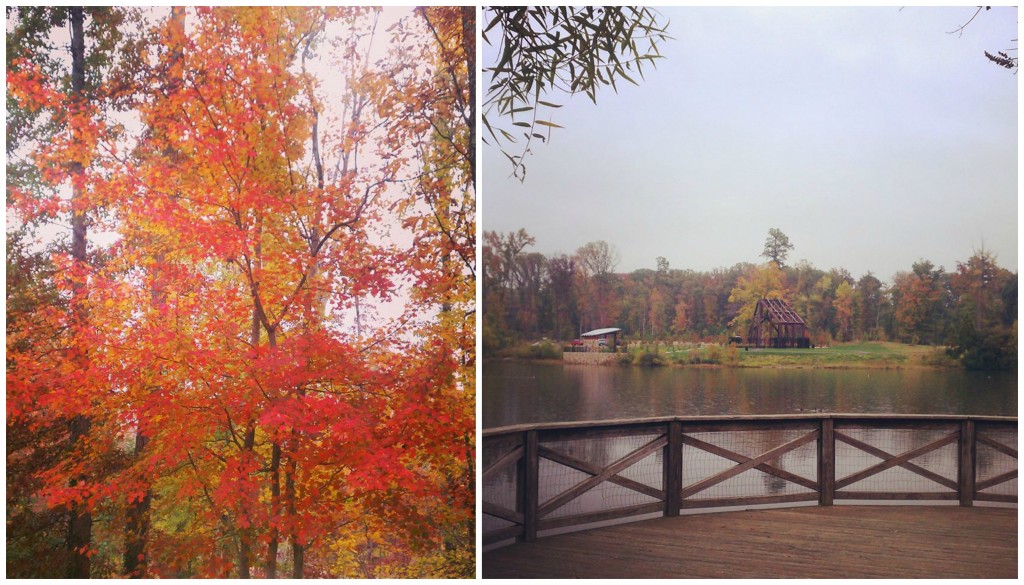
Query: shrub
[
  {"x": 732, "y": 355},
  {"x": 648, "y": 358},
  {"x": 938, "y": 357},
  {"x": 542, "y": 350},
  {"x": 715, "y": 354}
]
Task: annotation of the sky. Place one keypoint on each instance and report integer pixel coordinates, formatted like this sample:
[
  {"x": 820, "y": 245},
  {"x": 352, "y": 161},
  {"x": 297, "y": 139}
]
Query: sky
[{"x": 870, "y": 136}]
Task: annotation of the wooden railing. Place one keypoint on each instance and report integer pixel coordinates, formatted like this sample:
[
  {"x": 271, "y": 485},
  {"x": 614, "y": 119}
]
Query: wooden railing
[{"x": 552, "y": 476}]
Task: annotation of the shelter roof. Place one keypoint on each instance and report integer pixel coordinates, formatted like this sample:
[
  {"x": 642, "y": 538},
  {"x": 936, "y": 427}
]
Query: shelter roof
[{"x": 604, "y": 331}]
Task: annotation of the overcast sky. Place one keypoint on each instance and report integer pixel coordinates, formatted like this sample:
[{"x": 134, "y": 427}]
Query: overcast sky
[{"x": 869, "y": 136}]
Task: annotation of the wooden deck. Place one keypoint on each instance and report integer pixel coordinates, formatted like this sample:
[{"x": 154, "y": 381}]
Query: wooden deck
[{"x": 808, "y": 542}]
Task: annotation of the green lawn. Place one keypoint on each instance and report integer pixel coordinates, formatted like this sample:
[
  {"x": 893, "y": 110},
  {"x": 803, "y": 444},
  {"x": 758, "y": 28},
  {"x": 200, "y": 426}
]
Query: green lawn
[
  {"x": 863, "y": 354},
  {"x": 845, "y": 355}
]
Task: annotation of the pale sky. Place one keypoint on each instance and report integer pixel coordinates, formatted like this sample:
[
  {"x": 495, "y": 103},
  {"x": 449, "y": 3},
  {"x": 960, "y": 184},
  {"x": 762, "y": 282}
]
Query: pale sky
[{"x": 869, "y": 136}]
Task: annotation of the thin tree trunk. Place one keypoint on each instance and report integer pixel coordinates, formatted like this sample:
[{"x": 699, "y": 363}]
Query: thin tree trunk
[
  {"x": 275, "y": 485},
  {"x": 138, "y": 522},
  {"x": 469, "y": 48},
  {"x": 298, "y": 552},
  {"x": 79, "y": 533},
  {"x": 245, "y": 534},
  {"x": 248, "y": 446},
  {"x": 137, "y": 526},
  {"x": 275, "y": 509}
]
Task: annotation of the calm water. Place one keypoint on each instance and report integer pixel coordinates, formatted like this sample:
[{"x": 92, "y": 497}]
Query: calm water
[{"x": 524, "y": 392}]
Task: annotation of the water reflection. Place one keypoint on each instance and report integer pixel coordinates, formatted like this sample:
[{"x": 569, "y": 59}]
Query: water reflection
[{"x": 521, "y": 392}]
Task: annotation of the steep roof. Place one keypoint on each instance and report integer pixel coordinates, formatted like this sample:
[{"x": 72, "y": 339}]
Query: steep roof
[{"x": 779, "y": 311}]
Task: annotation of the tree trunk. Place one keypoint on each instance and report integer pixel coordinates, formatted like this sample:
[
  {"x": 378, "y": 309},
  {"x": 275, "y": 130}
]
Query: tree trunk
[
  {"x": 245, "y": 534},
  {"x": 137, "y": 526},
  {"x": 138, "y": 521},
  {"x": 79, "y": 533},
  {"x": 289, "y": 493},
  {"x": 469, "y": 48},
  {"x": 275, "y": 509}
]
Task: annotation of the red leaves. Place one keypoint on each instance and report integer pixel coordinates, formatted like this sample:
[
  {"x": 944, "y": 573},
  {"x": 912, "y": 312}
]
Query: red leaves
[
  {"x": 27, "y": 84},
  {"x": 214, "y": 347}
]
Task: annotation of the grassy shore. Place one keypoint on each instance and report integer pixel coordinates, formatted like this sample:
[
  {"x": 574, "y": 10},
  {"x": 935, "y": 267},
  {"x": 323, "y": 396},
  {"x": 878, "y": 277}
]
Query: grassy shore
[
  {"x": 871, "y": 354},
  {"x": 849, "y": 355},
  {"x": 845, "y": 355}
]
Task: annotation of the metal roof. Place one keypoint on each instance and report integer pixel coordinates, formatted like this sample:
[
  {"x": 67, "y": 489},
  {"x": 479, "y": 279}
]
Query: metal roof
[{"x": 597, "y": 332}]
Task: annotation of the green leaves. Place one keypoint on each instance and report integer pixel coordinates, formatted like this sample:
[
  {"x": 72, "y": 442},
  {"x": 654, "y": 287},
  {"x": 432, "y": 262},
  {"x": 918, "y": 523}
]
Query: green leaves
[{"x": 571, "y": 50}]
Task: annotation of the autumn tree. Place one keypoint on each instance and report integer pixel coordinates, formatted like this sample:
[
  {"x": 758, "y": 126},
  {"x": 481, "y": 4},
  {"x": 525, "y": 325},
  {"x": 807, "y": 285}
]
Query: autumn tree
[
  {"x": 35, "y": 442},
  {"x": 634, "y": 306},
  {"x": 563, "y": 294},
  {"x": 984, "y": 335},
  {"x": 503, "y": 278},
  {"x": 253, "y": 217},
  {"x": 843, "y": 305},
  {"x": 60, "y": 104},
  {"x": 918, "y": 299},
  {"x": 681, "y": 320},
  {"x": 867, "y": 307},
  {"x": 449, "y": 197},
  {"x": 759, "y": 282},
  {"x": 597, "y": 260}
]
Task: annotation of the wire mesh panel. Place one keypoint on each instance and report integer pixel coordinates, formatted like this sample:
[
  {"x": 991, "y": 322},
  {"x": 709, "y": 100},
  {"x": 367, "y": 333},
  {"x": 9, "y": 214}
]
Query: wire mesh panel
[
  {"x": 996, "y": 460},
  {"x": 897, "y": 461},
  {"x": 566, "y": 464},
  {"x": 499, "y": 486},
  {"x": 544, "y": 480},
  {"x": 708, "y": 455}
]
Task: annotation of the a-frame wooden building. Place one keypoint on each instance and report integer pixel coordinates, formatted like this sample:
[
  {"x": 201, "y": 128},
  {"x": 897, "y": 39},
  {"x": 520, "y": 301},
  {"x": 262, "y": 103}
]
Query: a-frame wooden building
[{"x": 776, "y": 324}]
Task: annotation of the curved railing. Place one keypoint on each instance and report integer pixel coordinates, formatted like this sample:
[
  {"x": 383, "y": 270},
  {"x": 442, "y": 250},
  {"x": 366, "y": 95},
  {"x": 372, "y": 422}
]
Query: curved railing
[{"x": 545, "y": 477}]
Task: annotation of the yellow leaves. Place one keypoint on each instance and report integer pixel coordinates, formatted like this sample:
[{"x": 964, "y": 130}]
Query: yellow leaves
[
  {"x": 221, "y": 215},
  {"x": 760, "y": 282}
]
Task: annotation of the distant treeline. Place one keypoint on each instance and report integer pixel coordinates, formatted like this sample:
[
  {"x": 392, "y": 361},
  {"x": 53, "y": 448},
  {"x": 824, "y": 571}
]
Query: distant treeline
[{"x": 527, "y": 296}]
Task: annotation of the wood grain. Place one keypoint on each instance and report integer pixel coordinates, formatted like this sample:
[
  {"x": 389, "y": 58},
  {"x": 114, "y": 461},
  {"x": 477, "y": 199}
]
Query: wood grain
[{"x": 807, "y": 542}]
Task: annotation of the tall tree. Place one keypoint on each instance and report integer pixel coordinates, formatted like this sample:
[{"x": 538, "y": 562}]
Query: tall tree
[
  {"x": 843, "y": 305},
  {"x": 252, "y": 218},
  {"x": 759, "y": 282},
  {"x": 777, "y": 247},
  {"x": 918, "y": 297},
  {"x": 983, "y": 335},
  {"x": 868, "y": 299},
  {"x": 58, "y": 105},
  {"x": 597, "y": 261},
  {"x": 561, "y": 285}
]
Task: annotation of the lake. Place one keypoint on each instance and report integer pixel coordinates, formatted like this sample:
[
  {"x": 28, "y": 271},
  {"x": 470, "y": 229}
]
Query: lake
[{"x": 517, "y": 392}]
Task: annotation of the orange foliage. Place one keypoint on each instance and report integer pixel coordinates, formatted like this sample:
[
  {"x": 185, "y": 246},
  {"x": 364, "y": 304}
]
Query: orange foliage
[{"x": 253, "y": 216}]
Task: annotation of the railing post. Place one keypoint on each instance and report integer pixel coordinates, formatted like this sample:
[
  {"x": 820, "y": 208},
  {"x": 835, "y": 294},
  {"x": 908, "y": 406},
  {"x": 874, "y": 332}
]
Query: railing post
[
  {"x": 826, "y": 462},
  {"x": 968, "y": 449},
  {"x": 529, "y": 486},
  {"x": 673, "y": 472}
]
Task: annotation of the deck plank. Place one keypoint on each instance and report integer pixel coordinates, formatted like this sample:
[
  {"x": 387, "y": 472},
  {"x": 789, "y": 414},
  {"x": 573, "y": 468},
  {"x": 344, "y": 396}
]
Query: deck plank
[{"x": 805, "y": 542}]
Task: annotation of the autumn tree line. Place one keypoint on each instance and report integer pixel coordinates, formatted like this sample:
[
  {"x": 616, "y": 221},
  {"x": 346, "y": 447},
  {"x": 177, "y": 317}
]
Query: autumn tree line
[
  {"x": 240, "y": 298},
  {"x": 527, "y": 296}
]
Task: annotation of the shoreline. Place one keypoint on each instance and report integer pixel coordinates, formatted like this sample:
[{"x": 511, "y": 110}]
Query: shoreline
[
  {"x": 834, "y": 366},
  {"x": 874, "y": 355}
]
